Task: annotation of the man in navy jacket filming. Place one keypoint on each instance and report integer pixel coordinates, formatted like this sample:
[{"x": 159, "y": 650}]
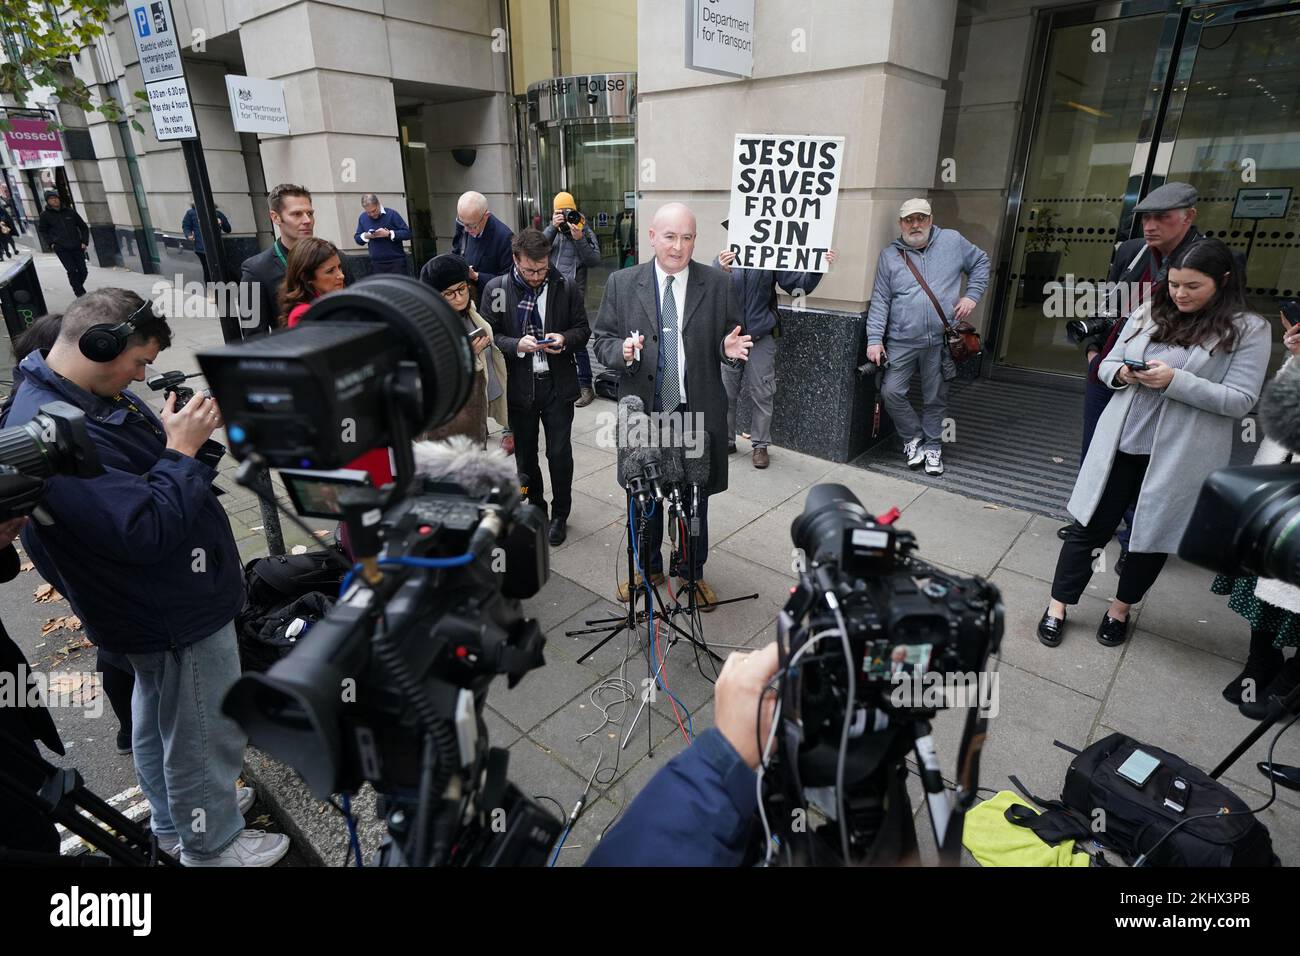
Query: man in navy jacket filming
[{"x": 145, "y": 556}]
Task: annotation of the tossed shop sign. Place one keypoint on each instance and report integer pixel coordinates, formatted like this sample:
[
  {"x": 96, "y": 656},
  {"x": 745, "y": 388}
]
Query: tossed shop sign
[
  {"x": 256, "y": 105},
  {"x": 154, "y": 30},
  {"x": 169, "y": 106},
  {"x": 33, "y": 143},
  {"x": 720, "y": 36},
  {"x": 784, "y": 191}
]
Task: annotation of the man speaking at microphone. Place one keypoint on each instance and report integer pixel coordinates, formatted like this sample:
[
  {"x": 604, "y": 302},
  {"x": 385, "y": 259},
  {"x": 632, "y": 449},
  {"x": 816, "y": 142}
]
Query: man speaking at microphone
[{"x": 665, "y": 324}]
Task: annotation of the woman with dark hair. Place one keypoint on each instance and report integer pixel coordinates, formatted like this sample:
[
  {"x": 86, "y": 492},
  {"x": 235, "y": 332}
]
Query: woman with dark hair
[
  {"x": 312, "y": 270},
  {"x": 448, "y": 274},
  {"x": 39, "y": 336},
  {"x": 117, "y": 675},
  {"x": 1191, "y": 365}
]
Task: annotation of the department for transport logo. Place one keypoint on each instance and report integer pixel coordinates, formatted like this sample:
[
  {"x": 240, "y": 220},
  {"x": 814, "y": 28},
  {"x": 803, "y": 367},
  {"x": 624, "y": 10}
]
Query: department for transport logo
[{"x": 245, "y": 94}]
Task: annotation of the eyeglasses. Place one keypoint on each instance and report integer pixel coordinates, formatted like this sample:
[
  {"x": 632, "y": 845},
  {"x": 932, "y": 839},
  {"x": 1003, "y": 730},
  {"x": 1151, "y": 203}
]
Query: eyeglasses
[
  {"x": 462, "y": 223},
  {"x": 916, "y": 219},
  {"x": 456, "y": 290},
  {"x": 532, "y": 272}
]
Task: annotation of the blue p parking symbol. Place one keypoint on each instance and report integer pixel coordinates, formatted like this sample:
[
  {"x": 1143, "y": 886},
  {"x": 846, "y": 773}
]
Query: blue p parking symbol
[{"x": 141, "y": 21}]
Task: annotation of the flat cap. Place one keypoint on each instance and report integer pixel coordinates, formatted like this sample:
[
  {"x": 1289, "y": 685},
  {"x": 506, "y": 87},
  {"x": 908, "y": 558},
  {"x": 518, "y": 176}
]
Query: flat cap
[{"x": 1168, "y": 196}]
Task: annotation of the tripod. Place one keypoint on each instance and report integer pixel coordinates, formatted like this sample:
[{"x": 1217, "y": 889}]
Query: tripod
[
  {"x": 637, "y": 543},
  {"x": 1275, "y": 713},
  {"x": 60, "y": 798}
]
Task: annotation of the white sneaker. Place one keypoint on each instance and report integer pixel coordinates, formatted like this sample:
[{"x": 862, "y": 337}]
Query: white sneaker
[
  {"x": 250, "y": 848},
  {"x": 246, "y": 797},
  {"x": 912, "y": 453},
  {"x": 933, "y": 462}
]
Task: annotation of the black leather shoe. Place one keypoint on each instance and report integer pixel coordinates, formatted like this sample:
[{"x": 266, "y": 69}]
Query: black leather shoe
[
  {"x": 557, "y": 532},
  {"x": 1063, "y": 531},
  {"x": 1112, "y": 633},
  {"x": 1051, "y": 630},
  {"x": 731, "y": 448},
  {"x": 1285, "y": 775},
  {"x": 1119, "y": 562}
]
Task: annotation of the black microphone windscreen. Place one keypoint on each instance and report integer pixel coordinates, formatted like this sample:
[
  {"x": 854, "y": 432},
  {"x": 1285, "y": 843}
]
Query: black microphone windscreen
[
  {"x": 672, "y": 466},
  {"x": 696, "y": 460},
  {"x": 631, "y": 462},
  {"x": 1279, "y": 408},
  {"x": 629, "y": 407}
]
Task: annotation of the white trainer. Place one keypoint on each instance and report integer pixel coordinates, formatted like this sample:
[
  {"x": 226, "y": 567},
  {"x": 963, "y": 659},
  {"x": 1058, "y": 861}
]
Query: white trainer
[
  {"x": 912, "y": 453},
  {"x": 246, "y": 796},
  {"x": 250, "y": 848},
  {"x": 933, "y": 462}
]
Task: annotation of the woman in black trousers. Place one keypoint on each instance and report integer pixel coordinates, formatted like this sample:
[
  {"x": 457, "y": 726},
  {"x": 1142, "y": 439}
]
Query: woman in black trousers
[{"x": 1190, "y": 364}]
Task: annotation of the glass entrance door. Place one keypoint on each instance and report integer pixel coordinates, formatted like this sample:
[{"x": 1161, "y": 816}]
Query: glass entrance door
[
  {"x": 595, "y": 161},
  {"x": 1205, "y": 94},
  {"x": 1237, "y": 141}
]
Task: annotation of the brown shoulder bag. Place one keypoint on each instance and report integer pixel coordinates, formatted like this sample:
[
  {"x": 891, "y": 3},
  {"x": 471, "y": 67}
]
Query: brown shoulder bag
[{"x": 962, "y": 340}]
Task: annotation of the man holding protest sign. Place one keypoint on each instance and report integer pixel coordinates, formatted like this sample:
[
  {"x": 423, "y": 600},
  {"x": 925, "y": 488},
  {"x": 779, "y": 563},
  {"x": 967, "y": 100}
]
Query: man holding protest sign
[
  {"x": 756, "y": 290},
  {"x": 915, "y": 275},
  {"x": 666, "y": 325}
]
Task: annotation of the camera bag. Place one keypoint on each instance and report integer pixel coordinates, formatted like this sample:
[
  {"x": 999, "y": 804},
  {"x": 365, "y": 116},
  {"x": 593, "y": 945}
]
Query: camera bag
[
  {"x": 1135, "y": 821},
  {"x": 278, "y": 590}
]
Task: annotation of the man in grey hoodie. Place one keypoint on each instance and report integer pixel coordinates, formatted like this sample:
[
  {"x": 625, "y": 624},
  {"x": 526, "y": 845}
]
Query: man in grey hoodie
[{"x": 905, "y": 331}]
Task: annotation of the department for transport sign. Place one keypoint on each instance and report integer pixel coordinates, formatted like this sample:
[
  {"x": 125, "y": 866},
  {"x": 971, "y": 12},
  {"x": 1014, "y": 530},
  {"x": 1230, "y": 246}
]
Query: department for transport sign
[
  {"x": 257, "y": 105},
  {"x": 169, "y": 106},
  {"x": 154, "y": 30}
]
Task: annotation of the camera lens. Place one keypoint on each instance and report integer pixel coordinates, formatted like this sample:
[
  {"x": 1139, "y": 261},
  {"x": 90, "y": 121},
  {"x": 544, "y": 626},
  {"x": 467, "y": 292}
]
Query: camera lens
[
  {"x": 828, "y": 510},
  {"x": 573, "y": 216}
]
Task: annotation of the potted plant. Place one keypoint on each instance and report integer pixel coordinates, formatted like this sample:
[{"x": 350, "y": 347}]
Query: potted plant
[{"x": 1044, "y": 246}]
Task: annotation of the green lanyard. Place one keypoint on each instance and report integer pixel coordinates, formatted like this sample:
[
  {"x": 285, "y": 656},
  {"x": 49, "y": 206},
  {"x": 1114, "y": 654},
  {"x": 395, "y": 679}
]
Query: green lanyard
[{"x": 279, "y": 253}]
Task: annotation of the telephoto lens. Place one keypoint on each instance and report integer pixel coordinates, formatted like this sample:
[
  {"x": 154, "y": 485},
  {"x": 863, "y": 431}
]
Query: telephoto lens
[{"x": 572, "y": 216}]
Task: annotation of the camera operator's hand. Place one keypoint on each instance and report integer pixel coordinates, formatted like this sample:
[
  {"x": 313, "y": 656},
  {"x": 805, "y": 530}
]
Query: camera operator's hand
[
  {"x": 736, "y": 700},
  {"x": 557, "y": 220},
  {"x": 9, "y": 530},
  {"x": 875, "y": 353},
  {"x": 189, "y": 428}
]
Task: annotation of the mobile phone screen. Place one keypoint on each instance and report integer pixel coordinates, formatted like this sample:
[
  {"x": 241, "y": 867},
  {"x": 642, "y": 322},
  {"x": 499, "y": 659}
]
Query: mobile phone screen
[{"x": 1137, "y": 769}]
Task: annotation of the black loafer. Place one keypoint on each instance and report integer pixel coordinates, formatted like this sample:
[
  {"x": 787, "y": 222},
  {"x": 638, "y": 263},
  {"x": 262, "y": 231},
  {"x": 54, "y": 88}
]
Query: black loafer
[
  {"x": 1051, "y": 630},
  {"x": 1119, "y": 562},
  {"x": 1112, "y": 633},
  {"x": 557, "y": 532},
  {"x": 1063, "y": 531}
]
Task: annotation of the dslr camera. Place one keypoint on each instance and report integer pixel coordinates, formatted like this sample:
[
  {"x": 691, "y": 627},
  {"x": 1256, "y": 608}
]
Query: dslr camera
[{"x": 870, "y": 633}]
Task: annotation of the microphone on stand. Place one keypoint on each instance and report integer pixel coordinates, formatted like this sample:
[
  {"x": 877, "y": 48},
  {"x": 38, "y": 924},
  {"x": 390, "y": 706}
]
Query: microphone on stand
[
  {"x": 672, "y": 474},
  {"x": 696, "y": 470}
]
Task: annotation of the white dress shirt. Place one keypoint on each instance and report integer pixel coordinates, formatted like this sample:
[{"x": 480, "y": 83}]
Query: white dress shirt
[{"x": 539, "y": 357}]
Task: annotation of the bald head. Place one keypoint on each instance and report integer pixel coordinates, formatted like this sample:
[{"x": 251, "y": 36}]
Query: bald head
[{"x": 672, "y": 236}]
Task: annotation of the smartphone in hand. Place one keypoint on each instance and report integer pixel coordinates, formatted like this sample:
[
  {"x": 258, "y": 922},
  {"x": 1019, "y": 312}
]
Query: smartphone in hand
[
  {"x": 1137, "y": 366},
  {"x": 1290, "y": 314},
  {"x": 477, "y": 334}
]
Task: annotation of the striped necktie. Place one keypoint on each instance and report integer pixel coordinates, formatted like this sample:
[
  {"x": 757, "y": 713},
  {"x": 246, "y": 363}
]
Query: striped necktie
[{"x": 670, "y": 393}]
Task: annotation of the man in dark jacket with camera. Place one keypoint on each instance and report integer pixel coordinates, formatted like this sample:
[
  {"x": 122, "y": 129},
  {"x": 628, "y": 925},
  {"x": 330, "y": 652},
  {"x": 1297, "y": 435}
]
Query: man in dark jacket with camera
[
  {"x": 539, "y": 322},
  {"x": 68, "y": 235},
  {"x": 145, "y": 556}
]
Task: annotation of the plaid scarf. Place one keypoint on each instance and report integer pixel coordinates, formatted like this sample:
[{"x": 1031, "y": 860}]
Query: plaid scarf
[{"x": 526, "y": 310}]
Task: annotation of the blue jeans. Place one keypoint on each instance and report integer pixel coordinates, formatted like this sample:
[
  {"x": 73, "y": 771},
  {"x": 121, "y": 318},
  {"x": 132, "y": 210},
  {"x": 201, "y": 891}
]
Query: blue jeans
[
  {"x": 187, "y": 753},
  {"x": 584, "y": 367}
]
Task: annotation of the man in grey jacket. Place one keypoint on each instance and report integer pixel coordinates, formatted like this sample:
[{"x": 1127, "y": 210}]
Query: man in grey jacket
[
  {"x": 905, "y": 331},
  {"x": 574, "y": 249}
]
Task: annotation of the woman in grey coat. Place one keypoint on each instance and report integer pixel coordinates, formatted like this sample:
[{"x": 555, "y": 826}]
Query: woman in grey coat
[{"x": 1191, "y": 364}]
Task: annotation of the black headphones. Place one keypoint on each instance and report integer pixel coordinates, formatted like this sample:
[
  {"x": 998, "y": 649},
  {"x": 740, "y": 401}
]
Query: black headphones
[{"x": 104, "y": 342}]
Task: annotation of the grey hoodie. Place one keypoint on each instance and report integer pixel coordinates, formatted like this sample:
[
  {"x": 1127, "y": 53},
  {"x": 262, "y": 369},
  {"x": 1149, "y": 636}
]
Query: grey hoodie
[{"x": 901, "y": 313}]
